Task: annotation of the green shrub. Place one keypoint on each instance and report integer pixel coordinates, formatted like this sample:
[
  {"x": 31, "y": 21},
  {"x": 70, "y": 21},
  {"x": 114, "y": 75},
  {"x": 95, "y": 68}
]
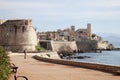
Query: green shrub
[
  {"x": 48, "y": 55},
  {"x": 38, "y": 48},
  {"x": 4, "y": 65}
]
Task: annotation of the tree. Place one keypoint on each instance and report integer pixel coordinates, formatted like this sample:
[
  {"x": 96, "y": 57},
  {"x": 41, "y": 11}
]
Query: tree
[{"x": 93, "y": 35}]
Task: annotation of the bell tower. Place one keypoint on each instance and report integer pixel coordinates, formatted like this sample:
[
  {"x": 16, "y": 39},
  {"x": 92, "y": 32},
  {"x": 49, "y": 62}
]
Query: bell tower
[{"x": 89, "y": 29}]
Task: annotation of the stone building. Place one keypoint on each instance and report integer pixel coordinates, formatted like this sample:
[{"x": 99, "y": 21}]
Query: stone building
[
  {"x": 18, "y": 35},
  {"x": 83, "y": 34},
  {"x": 42, "y": 36},
  {"x": 59, "y": 35},
  {"x": 84, "y": 38}
]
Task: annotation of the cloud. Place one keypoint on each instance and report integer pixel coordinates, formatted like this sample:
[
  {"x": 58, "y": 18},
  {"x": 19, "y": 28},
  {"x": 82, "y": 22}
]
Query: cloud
[
  {"x": 26, "y": 4},
  {"x": 48, "y": 4},
  {"x": 62, "y": 12}
]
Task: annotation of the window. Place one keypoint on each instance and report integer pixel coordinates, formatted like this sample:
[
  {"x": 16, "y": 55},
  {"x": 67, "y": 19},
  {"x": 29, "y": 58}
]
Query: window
[
  {"x": 26, "y": 22},
  {"x": 80, "y": 32},
  {"x": 23, "y": 29},
  {"x": 11, "y": 29},
  {"x": 15, "y": 27}
]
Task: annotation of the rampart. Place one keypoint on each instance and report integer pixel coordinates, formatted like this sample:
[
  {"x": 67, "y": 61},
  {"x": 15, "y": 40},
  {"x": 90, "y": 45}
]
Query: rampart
[
  {"x": 100, "y": 67},
  {"x": 17, "y": 35},
  {"x": 56, "y": 45},
  {"x": 87, "y": 45}
]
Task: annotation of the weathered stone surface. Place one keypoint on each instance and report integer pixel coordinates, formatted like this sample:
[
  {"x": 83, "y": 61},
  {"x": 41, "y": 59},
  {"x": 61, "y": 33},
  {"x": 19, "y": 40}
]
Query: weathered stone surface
[
  {"x": 57, "y": 45},
  {"x": 18, "y": 35}
]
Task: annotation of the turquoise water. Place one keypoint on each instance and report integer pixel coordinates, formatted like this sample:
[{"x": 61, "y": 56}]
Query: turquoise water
[{"x": 106, "y": 57}]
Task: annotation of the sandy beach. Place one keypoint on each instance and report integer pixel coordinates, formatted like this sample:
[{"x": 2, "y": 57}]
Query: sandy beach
[{"x": 38, "y": 70}]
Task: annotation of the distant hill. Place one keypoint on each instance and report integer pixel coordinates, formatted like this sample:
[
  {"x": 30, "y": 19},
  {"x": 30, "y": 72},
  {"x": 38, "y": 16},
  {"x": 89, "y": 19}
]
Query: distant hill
[{"x": 112, "y": 38}]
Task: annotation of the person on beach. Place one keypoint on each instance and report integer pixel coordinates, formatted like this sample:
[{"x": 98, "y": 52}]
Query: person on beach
[{"x": 25, "y": 53}]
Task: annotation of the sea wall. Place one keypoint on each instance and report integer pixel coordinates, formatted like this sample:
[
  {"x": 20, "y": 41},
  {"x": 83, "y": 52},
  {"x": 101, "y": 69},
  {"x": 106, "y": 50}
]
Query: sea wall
[
  {"x": 86, "y": 45},
  {"x": 56, "y": 45},
  {"x": 82, "y": 45},
  {"x": 101, "y": 67},
  {"x": 103, "y": 45}
]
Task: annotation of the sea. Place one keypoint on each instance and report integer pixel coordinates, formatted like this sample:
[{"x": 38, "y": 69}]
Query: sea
[{"x": 106, "y": 57}]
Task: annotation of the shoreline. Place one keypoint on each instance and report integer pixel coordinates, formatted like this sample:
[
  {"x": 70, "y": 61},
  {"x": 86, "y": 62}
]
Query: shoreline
[
  {"x": 106, "y": 57},
  {"x": 88, "y": 65}
]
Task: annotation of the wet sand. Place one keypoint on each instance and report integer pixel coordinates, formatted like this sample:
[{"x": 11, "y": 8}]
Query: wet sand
[{"x": 38, "y": 70}]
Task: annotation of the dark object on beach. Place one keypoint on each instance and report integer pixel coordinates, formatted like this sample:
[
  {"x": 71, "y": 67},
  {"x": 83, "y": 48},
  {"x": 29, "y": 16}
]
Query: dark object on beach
[
  {"x": 100, "y": 51},
  {"x": 80, "y": 51},
  {"x": 13, "y": 68},
  {"x": 117, "y": 73}
]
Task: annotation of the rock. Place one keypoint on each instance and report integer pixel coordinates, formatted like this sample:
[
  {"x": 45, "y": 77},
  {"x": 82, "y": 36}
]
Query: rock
[{"x": 81, "y": 57}]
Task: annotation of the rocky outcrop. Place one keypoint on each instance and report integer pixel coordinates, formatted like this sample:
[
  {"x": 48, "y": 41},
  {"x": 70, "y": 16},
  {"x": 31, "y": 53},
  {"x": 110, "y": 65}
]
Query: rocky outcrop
[{"x": 67, "y": 46}]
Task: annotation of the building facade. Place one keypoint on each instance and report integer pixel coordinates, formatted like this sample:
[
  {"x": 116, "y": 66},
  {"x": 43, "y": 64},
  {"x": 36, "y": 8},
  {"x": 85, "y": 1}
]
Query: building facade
[
  {"x": 69, "y": 34},
  {"x": 83, "y": 37},
  {"x": 83, "y": 34}
]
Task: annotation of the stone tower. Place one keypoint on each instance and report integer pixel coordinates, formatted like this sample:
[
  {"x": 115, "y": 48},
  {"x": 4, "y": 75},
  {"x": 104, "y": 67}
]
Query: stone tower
[
  {"x": 89, "y": 29},
  {"x": 73, "y": 28},
  {"x": 18, "y": 35}
]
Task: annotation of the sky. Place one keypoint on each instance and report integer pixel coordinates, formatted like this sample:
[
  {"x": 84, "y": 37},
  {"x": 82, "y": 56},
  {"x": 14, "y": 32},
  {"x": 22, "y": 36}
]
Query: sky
[{"x": 50, "y": 15}]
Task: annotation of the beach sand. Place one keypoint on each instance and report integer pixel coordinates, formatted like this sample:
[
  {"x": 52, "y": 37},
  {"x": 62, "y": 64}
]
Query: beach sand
[{"x": 38, "y": 70}]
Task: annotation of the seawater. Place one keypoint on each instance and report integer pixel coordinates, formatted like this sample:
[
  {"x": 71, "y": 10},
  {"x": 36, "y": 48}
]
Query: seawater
[{"x": 106, "y": 57}]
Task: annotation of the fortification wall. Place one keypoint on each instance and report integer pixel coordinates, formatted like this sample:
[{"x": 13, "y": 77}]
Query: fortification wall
[
  {"x": 18, "y": 35},
  {"x": 101, "y": 67},
  {"x": 86, "y": 45},
  {"x": 103, "y": 45},
  {"x": 56, "y": 45}
]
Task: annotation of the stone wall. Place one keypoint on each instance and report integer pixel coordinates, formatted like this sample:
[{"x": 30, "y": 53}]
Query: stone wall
[
  {"x": 86, "y": 45},
  {"x": 101, "y": 67},
  {"x": 18, "y": 35},
  {"x": 83, "y": 45},
  {"x": 56, "y": 45},
  {"x": 103, "y": 45}
]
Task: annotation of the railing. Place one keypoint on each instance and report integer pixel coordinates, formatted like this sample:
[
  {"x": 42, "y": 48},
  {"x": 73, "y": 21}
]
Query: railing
[{"x": 14, "y": 70}]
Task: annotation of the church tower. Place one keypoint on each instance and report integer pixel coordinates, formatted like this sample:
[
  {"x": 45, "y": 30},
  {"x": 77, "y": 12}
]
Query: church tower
[{"x": 89, "y": 29}]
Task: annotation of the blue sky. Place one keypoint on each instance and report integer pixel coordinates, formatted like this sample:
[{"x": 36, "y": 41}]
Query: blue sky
[{"x": 50, "y": 15}]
